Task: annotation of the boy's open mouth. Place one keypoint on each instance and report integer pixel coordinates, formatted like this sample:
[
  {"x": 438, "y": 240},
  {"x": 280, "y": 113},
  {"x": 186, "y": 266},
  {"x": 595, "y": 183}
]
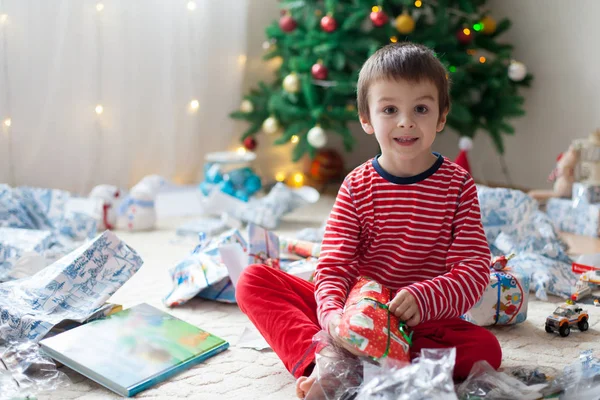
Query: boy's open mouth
[{"x": 406, "y": 140}]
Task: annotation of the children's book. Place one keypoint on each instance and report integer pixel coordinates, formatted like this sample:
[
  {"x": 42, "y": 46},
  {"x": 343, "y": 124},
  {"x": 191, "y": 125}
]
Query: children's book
[{"x": 134, "y": 349}]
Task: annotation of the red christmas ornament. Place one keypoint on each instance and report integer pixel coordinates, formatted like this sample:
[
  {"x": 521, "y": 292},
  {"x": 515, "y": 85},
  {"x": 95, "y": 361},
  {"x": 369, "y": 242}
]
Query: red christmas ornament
[
  {"x": 379, "y": 18},
  {"x": 287, "y": 23},
  {"x": 464, "y": 35},
  {"x": 328, "y": 23},
  {"x": 319, "y": 71},
  {"x": 250, "y": 143}
]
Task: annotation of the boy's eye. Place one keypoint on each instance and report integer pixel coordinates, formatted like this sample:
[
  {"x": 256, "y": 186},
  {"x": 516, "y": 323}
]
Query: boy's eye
[
  {"x": 390, "y": 110},
  {"x": 421, "y": 109}
]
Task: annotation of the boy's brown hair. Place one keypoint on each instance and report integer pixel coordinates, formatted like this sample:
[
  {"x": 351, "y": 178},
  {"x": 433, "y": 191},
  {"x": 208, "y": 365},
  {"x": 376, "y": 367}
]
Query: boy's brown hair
[{"x": 407, "y": 61}]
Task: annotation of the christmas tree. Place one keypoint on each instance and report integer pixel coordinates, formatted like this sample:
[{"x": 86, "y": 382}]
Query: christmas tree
[{"x": 323, "y": 43}]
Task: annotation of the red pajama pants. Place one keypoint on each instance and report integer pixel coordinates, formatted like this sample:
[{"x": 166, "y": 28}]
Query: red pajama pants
[{"x": 284, "y": 310}]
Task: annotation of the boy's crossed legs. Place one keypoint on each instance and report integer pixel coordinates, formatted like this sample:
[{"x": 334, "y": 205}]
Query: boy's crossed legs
[{"x": 284, "y": 310}]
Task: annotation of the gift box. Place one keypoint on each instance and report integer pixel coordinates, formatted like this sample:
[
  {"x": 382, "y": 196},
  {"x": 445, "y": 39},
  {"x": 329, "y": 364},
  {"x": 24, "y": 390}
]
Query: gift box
[
  {"x": 578, "y": 218},
  {"x": 368, "y": 325},
  {"x": 586, "y": 193},
  {"x": 504, "y": 301},
  {"x": 74, "y": 288}
]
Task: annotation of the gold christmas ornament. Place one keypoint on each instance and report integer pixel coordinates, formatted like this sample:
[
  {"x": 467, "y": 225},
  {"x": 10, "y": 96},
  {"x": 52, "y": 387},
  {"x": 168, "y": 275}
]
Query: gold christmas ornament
[
  {"x": 291, "y": 83},
  {"x": 270, "y": 125},
  {"x": 405, "y": 24},
  {"x": 489, "y": 25},
  {"x": 247, "y": 106}
]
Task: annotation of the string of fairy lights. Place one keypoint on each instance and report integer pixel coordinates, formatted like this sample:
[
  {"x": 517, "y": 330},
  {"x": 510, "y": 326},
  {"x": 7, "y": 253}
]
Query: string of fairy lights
[{"x": 100, "y": 108}]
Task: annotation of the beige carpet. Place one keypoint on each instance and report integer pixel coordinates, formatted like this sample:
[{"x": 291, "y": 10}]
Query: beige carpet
[{"x": 241, "y": 373}]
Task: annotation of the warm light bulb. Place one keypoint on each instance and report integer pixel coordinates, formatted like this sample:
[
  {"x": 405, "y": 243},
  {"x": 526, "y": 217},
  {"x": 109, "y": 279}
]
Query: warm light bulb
[
  {"x": 482, "y": 59},
  {"x": 418, "y": 3},
  {"x": 3, "y": 18},
  {"x": 298, "y": 178},
  {"x": 191, "y": 5},
  {"x": 375, "y": 9},
  {"x": 194, "y": 104},
  {"x": 241, "y": 150},
  {"x": 242, "y": 59},
  {"x": 99, "y": 109},
  {"x": 467, "y": 31},
  {"x": 99, "y": 6},
  {"x": 393, "y": 39},
  {"x": 7, "y": 122},
  {"x": 280, "y": 177},
  {"x": 295, "y": 139}
]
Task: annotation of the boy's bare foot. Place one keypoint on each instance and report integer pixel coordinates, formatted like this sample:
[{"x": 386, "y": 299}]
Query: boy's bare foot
[{"x": 304, "y": 383}]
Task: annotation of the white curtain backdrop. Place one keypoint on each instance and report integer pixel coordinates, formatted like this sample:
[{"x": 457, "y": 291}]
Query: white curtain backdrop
[{"x": 143, "y": 61}]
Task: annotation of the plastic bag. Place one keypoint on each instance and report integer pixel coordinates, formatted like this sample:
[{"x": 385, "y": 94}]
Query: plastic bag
[
  {"x": 485, "y": 382},
  {"x": 339, "y": 373},
  {"x": 579, "y": 380},
  {"x": 342, "y": 375},
  {"x": 25, "y": 371},
  {"x": 429, "y": 377},
  {"x": 531, "y": 375}
]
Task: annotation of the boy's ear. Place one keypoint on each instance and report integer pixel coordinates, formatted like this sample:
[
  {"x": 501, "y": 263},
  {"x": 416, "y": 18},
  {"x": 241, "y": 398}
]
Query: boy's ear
[
  {"x": 366, "y": 125},
  {"x": 442, "y": 121}
]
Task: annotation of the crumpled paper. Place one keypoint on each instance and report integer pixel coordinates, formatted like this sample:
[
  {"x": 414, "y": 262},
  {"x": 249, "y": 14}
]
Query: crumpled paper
[
  {"x": 53, "y": 221},
  {"x": 513, "y": 224},
  {"x": 73, "y": 288}
]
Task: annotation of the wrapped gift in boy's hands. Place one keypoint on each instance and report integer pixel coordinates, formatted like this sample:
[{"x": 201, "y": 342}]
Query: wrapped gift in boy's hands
[{"x": 368, "y": 325}]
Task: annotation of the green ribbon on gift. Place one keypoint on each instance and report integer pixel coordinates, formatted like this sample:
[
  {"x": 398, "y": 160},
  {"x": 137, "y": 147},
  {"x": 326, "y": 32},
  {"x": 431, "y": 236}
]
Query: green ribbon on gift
[{"x": 401, "y": 327}]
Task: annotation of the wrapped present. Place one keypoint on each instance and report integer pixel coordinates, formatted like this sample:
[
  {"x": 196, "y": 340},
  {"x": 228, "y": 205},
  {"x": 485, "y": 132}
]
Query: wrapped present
[
  {"x": 300, "y": 248},
  {"x": 74, "y": 287},
  {"x": 368, "y": 325},
  {"x": 586, "y": 193},
  {"x": 304, "y": 268},
  {"x": 578, "y": 218},
  {"x": 504, "y": 301}
]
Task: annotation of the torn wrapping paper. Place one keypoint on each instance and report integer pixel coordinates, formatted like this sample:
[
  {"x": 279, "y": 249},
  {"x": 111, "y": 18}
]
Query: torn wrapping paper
[
  {"x": 266, "y": 211},
  {"x": 67, "y": 220},
  {"x": 73, "y": 288},
  {"x": 202, "y": 273},
  {"x": 263, "y": 246},
  {"x": 514, "y": 224},
  {"x": 586, "y": 193},
  {"x": 578, "y": 218},
  {"x": 15, "y": 243},
  {"x": 368, "y": 325},
  {"x": 252, "y": 339},
  {"x": 504, "y": 301}
]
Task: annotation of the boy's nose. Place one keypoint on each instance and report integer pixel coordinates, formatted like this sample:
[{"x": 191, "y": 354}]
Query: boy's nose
[{"x": 407, "y": 124}]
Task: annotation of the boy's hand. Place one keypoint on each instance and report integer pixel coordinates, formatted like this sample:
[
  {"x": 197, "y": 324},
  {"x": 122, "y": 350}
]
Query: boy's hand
[
  {"x": 333, "y": 332},
  {"x": 404, "y": 306}
]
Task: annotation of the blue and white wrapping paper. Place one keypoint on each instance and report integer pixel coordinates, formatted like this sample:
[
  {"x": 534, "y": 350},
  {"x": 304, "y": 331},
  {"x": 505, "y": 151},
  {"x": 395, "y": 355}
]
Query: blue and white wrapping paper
[
  {"x": 202, "y": 273},
  {"x": 14, "y": 243},
  {"x": 578, "y": 218},
  {"x": 586, "y": 193},
  {"x": 74, "y": 287},
  {"x": 513, "y": 224},
  {"x": 43, "y": 210}
]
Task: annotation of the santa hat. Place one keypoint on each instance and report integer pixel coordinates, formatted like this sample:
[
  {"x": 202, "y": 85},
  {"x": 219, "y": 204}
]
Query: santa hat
[{"x": 464, "y": 144}]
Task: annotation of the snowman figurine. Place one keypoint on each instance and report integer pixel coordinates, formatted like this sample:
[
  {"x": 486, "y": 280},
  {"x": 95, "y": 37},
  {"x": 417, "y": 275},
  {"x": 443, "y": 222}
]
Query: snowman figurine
[
  {"x": 138, "y": 211},
  {"x": 109, "y": 198}
]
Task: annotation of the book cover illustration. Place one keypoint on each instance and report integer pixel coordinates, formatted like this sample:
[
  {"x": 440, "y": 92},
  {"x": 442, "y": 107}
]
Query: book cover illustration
[{"x": 133, "y": 346}]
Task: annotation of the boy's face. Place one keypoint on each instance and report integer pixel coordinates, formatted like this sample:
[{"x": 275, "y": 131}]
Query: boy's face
[{"x": 404, "y": 118}]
